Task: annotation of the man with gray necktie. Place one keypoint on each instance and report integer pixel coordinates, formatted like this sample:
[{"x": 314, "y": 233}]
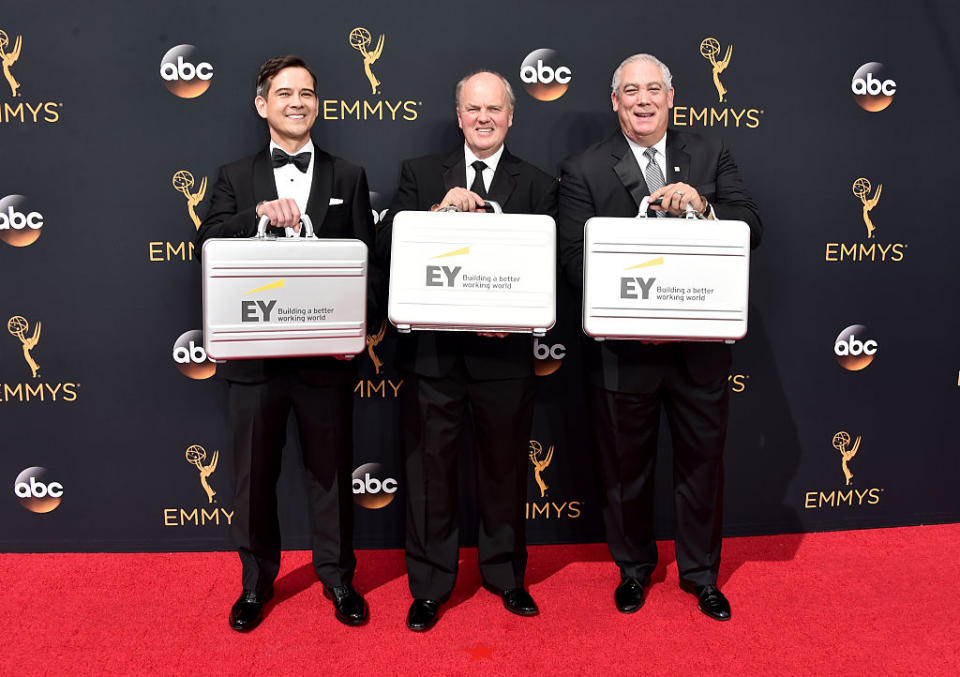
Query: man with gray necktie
[{"x": 629, "y": 382}]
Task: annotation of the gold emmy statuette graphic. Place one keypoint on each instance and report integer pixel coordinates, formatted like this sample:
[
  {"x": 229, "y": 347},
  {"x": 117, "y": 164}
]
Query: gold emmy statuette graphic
[
  {"x": 840, "y": 442},
  {"x": 196, "y": 455},
  {"x": 373, "y": 340},
  {"x": 709, "y": 48},
  {"x": 360, "y": 39},
  {"x": 10, "y": 58},
  {"x": 861, "y": 188},
  {"x": 18, "y": 327},
  {"x": 183, "y": 182},
  {"x": 539, "y": 466}
]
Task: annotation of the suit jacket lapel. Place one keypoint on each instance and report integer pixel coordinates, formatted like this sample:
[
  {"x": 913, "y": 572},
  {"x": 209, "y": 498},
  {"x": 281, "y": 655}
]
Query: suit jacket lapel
[
  {"x": 454, "y": 171},
  {"x": 626, "y": 167},
  {"x": 503, "y": 182},
  {"x": 678, "y": 159},
  {"x": 264, "y": 185},
  {"x": 321, "y": 187}
]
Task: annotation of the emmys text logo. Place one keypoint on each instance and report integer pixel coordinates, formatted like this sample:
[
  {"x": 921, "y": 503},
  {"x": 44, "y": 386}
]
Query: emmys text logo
[
  {"x": 546, "y": 507},
  {"x": 872, "y": 87},
  {"x": 207, "y": 514},
  {"x": 380, "y": 107},
  {"x": 872, "y": 250},
  {"x": 184, "y": 72},
  {"x": 543, "y": 75},
  {"x": 548, "y": 358},
  {"x": 738, "y": 382},
  {"x": 184, "y": 183},
  {"x": 21, "y": 110},
  {"x": 36, "y": 490},
  {"x": 848, "y": 495},
  {"x": 191, "y": 358},
  {"x": 369, "y": 490},
  {"x": 854, "y": 350},
  {"x": 19, "y": 225},
  {"x": 379, "y": 386},
  {"x": 711, "y": 116},
  {"x": 33, "y": 388}
]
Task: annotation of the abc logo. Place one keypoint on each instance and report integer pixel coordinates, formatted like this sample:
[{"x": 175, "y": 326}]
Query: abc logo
[
  {"x": 19, "y": 227},
  {"x": 36, "y": 492},
  {"x": 872, "y": 89},
  {"x": 549, "y": 358},
  {"x": 853, "y": 350},
  {"x": 543, "y": 77},
  {"x": 371, "y": 492},
  {"x": 184, "y": 74},
  {"x": 191, "y": 358}
]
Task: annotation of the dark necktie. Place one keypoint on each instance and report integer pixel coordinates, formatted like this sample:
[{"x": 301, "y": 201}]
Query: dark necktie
[
  {"x": 478, "y": 186},
  {"x": 301, "y": 161},
  {"x": 654, "y": 175}
]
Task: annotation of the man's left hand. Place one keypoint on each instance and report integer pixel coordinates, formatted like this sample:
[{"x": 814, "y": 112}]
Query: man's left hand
[{"x": 676, "y": 197}]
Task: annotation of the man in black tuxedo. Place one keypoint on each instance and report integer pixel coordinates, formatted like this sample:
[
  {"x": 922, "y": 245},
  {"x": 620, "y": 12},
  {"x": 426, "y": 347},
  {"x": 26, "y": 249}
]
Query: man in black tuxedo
[
  {"x": 290, "y": 177},
  {"x": 629, "y": 382},
  {"x": 445, "y": 373}
]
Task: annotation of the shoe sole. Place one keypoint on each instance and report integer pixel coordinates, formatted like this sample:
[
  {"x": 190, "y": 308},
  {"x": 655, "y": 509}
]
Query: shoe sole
[
  {"x": 518, "y": 612},
  {"x": 710, "y": 615}
]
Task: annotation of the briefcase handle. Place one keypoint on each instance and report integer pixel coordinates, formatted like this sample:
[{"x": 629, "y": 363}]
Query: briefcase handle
[
  {"x": 690, "y": 213},
  {"x": 488, "y": 206},
  {"x": 265, "y": 221}
]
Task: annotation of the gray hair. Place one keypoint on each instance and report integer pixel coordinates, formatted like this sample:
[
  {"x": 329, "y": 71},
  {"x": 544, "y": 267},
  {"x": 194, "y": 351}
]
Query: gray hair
[
  {"x": 649, "y": 58},
  {"x": 511, "y": 99}
]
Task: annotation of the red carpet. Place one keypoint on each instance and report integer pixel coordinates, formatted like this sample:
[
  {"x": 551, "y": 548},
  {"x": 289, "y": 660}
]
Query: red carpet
[{"x": 884, "y": 601}]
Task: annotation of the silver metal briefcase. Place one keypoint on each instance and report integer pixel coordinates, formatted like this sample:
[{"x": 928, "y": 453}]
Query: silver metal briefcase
[
  {"x": 665, "y": 279},
  {"x": 284, "y": 297},
  {"x": 456, "y": 271}
]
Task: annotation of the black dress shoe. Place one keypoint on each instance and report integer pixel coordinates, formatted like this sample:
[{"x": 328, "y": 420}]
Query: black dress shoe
[
  {"x": 247, "y": 612},
  {"x": 349, "y": 607},
  {"x": 629, "y": 595},
  {"x": 423, "y": 614},
  {"x": 518, "y": 601},
  {"x": 711, "y": 601}
]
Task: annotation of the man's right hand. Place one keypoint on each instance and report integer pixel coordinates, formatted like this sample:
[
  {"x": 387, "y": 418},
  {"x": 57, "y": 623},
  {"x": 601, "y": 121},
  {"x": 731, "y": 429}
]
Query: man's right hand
[
  {"x": 283, "y": 213},
  {"x": 461, "y": 198}
]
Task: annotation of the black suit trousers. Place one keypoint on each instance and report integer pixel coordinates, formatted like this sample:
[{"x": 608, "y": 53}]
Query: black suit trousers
[
  {"x": 434, "y": 411},
  {"x": 625, "y": 428},
  {"x": 258, "y": 414}
]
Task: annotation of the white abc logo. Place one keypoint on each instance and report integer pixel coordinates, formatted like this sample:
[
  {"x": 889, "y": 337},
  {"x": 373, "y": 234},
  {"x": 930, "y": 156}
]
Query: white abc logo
[
  {"x": 542, "y": 351},
  {"x": 18, "y": 220},
  {"x": 189, "y": 353},
  {"x": 184, "y": 70},
  {"x": 371, "y": 485},
  {"x": 37, "y": 489},
  {"x": 853, "y": 346},
  {"x": 873, "y": 86},
  {"x": 545, "y": 74}
]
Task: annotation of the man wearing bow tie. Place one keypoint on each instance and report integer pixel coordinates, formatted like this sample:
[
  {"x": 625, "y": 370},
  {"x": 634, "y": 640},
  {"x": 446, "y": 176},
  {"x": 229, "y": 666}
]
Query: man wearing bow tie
[
  {"x": 291, "y": 177},
  {"x": 448, "y": 373}
]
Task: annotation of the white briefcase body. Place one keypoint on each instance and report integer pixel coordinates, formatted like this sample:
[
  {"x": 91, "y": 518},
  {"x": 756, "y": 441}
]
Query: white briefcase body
[
  {"x": 462, "y": 271},
  {"x": 284, "y": 297},
  {"x": 666, "y": 279}
]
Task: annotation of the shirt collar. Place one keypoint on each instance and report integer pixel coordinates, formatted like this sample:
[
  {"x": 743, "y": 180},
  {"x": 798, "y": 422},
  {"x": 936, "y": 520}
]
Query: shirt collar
[
  {"x": 660, "y": 146},
  {"x": 491, "y": 161}
]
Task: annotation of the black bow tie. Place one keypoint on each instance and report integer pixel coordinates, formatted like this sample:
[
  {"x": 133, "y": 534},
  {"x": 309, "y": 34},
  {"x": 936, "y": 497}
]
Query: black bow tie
[{"x": 301, "y": 161}]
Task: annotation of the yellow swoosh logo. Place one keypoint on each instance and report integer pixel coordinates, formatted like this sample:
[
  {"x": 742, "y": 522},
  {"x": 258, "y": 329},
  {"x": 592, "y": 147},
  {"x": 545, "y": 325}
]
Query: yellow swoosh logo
[
  {"x": 458, "y": 252},
  {"x": 273, "y": 285},
  {"x": 652, "y": 262}
]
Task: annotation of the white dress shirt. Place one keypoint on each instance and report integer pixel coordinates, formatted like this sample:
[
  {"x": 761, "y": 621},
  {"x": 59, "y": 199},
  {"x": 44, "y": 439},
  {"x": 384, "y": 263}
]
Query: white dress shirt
[
  {"x": 488, "y": 173},
  {"x": 292, "y": 183}
]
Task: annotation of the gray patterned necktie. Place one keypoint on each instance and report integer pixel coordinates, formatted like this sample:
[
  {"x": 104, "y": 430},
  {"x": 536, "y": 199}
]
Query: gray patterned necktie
[{"x": 654, "y": 175}]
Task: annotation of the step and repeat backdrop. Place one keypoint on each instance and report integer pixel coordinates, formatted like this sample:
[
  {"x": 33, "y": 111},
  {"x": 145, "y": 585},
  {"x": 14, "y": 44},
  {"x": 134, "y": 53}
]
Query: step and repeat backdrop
[{"x": 114, "y": 117}]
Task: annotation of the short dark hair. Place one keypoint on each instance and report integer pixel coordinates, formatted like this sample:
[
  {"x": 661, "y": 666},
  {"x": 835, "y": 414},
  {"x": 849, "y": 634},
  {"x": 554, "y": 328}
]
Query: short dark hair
[{"x": 273, "y": 66}]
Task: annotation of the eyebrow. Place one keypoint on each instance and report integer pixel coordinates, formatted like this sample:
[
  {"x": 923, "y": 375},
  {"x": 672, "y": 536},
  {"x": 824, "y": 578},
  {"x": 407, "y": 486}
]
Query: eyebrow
[
  {"x": 278, "y": 90},
  {"x": 654, "y": 83}
]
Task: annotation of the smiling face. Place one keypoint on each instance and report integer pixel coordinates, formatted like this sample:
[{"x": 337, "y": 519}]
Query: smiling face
[
  {"x": 289, "y": 107},
  {"x": 643, "y": 102},
  {"x": 484, "y": 114}
]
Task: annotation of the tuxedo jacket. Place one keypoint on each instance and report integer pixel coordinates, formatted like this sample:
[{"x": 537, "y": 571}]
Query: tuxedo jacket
[
  {"x": 243, "y": 184},
  {"x": 605, "y": 180},
  {"x": 519, "y": 188}
]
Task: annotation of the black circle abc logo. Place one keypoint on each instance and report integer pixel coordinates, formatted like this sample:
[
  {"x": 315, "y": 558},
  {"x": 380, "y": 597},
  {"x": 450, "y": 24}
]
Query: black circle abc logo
[
  {"x": 872, "y": 87},
  {"x": 36, "y": 492},
  {"x": 853, "y": 349},
  {"x": 184, "y": 73},
  {"x": 369, "y": 490},
  {"x": 19, "y": 226},
  {"x": 191, "y": 358},
  {"x": 543, "y": 76}
]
